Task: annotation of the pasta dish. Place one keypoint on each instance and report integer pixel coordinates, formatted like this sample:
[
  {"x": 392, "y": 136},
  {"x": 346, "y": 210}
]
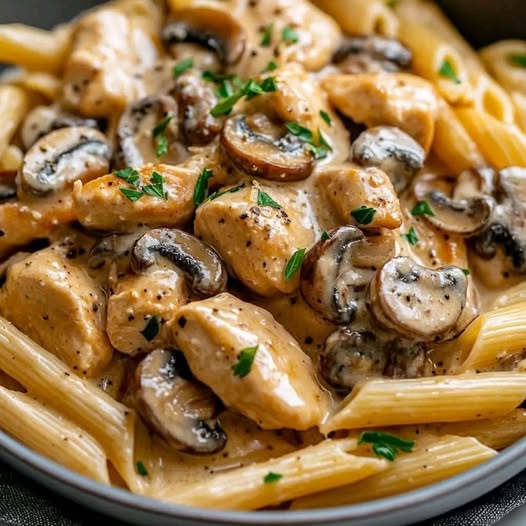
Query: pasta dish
[{"x": 262, "y": 254}]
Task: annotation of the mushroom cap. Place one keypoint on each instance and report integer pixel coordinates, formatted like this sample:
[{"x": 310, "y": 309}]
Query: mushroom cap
[
  {"x": 259, "y": 148},
  {"x": 415, "y": 301},
  {"x": 200, "y": 263},
  {"x": 214, "y": 28},
  {"x": 64, "y": 156},
  {"x": 335, "y": 272},
  {"x": 391, "y": 150},
  {"x": 177, "y": 406}
]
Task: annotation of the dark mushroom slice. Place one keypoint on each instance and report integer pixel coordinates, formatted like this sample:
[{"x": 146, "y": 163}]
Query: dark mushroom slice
[
  {"x": 45, "y": 119},
  {"x": 177, "y": 406},
  {"x": 200, "y": 263},
  {"x": 336, "y": 272},
  {"x": 392, "y": 151},
  {"x": 417, "y": 302},
  {"x": 262, "y": 148},
  {"x": 110, "y": 249},
  {"x": 406, "y": 359},
  {"x": 349, "y": 357},
  {"x": 195, "y": 99},
  {"x": 64, "y": 156},
  {"x": 464, "y": 217},
  {"x": 214, "y": 29},
  {"x": 136, "y": 126},
  {"x": 372, "y": 54}
]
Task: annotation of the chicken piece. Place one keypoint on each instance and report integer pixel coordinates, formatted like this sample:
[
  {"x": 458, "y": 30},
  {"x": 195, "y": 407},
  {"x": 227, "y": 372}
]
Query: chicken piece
[
  {"x": 56, "y": 303},
  {"x": 136, "y": 299},
  {"x": 349, "y": 189},
  {"x": 255, "y": 241},
  {"x": 396, "y": 99},
  {"x": 100, "y": 204},
  {"x": 111, "y": 48},
  {"x": 276, "y": 387},
  {"x": 24, "y": 221}
]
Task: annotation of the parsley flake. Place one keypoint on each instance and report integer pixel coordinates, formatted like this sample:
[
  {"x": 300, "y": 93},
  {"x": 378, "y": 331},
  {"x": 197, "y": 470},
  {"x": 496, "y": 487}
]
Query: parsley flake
[
  {"x": 299, "y": 131},
  {"x": 422, "y": 208},
  {"x": 517, "y": 59},
  {"x": 159, "y": 133},
  {"x": 364, "y": 215},
  {"x": 321, "y": 150},
  {"x": 182, "y": 66},
  {"x": 225, "y": 106},
  {"x": 245, "y": 360},
  {"x": 271, "y": 477},
  {"x": 129, "y": 175},
  {"x": 466, "y": 271},
  {"x": 265, "y": 200},
  {"x": 385, "y": 444},
  {"x": 447, "y": 71},
  {"x": 152, "y": 329},
  {"x": 131, "y": 194},
  {"x": 266, "y": 39},
  {"x": 325, "y": 236},
  {"x": 233, "y": 190},
  {"x": 225, "y": 89},
  {"x": 156, "y": 187},
  {"x": 326, "y": 117},
  {"x": 271, "y": 66},
  {"x": 289, "y": 35},
  {"x": 141, "y": 469},
  {"x": 294, "y": 263},
  {"x": 201, "y": 186},
  {"x": 411, "y": 236}
]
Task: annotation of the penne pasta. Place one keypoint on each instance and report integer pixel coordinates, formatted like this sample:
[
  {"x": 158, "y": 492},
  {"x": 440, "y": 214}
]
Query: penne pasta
[
  {"x": 303, "y": 472},
  {"x": 431, "y": 461},
  {"x": 14, "y": 104},
  {"x": 447, "y": 398},
  {"x": 48, "y": 433}
]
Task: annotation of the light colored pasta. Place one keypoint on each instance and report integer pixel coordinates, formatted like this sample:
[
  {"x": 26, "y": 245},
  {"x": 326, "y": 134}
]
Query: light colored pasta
[{"x": 14, "y": 104}]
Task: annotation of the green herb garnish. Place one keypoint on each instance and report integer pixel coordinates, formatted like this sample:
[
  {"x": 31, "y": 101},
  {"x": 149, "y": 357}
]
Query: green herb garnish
[
  {"x": 289, "y": 35},
  {"x": 131, "y": 194},
  {"x": 266, "y": 39},
  {"x": 271, "y": 477},
  {"x": 201, "y": 187},
  {"x": 422, "y": 208},
  {"x": 271, "y": 66},
  {"x": 300, "y": 131},
  {"x": 411, "y": 236},
  {"x": 245, "y": 360},
  {"x": 141, "y": 469},
  {"x": 326, "y": 117},
  {"x": 294, "y": 263},
  {"x": 364, "y": 215},
  {"x": 517, "y": 59},
  {"x": 156, "y": 187},
  {"x": 233, "y": 190},
  {"x": 466, "y": 271},
  {"x": 225, "y": 89},
  {"x": 447, "y": 71},
  {"x": 385, "y": 444},
  {"x": 265, "y": 200},
  {"x": 325, "y": 236},
  {"x": 152, "y": 329},
  {"x": 159, "y": 133},
  {"x": 321, "y": 150},
  {"x": 183, "y": 66},
  {"x": 129, "y": 175}
]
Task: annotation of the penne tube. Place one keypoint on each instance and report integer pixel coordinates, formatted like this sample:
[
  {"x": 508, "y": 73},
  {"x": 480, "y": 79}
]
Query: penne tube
[
  {"x": 315, "y": 468},
  {"x": 14, "y": 104},
  {"x": 442, "y": 399},
  {"x": 12, "y": 159},
  {"x": 490, "y": 98},
  {"x": 431, "y": 461},
  {"x": 51, "y": 435},
  {"x": 47, "y": 378},
  {"x": 519, "y": 103},
  {"x": 511, "y": 296},
  {"x": 496, "y": 336}
]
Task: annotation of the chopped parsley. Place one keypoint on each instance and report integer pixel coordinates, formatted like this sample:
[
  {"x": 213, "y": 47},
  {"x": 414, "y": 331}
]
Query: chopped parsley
[
  {"x": 364, "y": 215},
  {"x": 232, "y": 190},
  {"x": 289, "y": 35},
  {"x": 385, "y": 444},
  {"x": 271, "y": 66},
  {"x": 447, "y": 71},
  {"x": 411, "y": 236},
  {"x": 210, "y": 76},
  {"x": 245, "y": 360},
  {"x": 183, "y": 66},
  {"x": 326, "y": 117},
  {"x": 266, "y": 39},
  {"x": 300, "y": 131},
  {"x": 271, "y": 477},
  {"x": 201, "y": 187},
  {"x": 225, "y": 89},
  {"x": 466, "y": 271},
  {"x": 152, "y": 329},
  {"x": 156, "y": 187},
  {"x": 517, "y": 59},
  {"x": 422, "y": 208},
  {"x": 265, "y": 200},
  {"x": 159, "y": 133},
  {"x": 131, "y": 194},
  {"x": 319, "y": 150},
  {"x": 294, "y": 263},
  {"x": 225, "y": 106},
  {"x": 131, "y": 176},
  {"x": 325, "y": 236},
  {"x": 141, "y": 469}
]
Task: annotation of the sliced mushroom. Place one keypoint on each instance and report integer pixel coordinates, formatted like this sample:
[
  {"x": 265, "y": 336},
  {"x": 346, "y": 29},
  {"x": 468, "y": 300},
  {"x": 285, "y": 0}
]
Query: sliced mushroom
[
  {"x": 336, "y": 272},
  {"x": 44, "y": 119},
  {"x": 464, "y": 217},
  {"x": 415, "y": 301},
  {"x": 177, "y": 406},
  {"x": 64, "y": 156},
  {"x": 200, "y": 263},
  {"x": 215, "y": 29},
  {"x": 392, "y": 151},
  {"x": 136, "y": 126},
  {"x": 195, "y": 99},
  {"x": 349, "y": 357},
  {"x": 260, "y": 148},
  {"x": 372, "y": 54}
]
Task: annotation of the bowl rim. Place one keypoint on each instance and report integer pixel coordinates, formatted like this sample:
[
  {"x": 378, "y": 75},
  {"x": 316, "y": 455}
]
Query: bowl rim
[{"x": 11, "y": 449}]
